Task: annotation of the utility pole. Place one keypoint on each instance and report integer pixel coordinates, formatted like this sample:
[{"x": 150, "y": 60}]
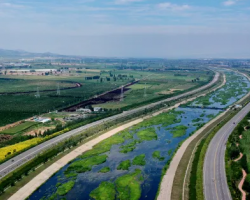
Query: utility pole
[
  {"x": 145, "y": 91},
  {"x": 121, "y": 97},
  {"x": 37, "y": 93},
  {"x": 58, "y": 92}
]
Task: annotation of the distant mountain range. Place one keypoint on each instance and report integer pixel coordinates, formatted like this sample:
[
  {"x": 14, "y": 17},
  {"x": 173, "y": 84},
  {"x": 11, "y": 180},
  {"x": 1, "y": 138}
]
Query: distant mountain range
[{"x": 22, "y": 53}]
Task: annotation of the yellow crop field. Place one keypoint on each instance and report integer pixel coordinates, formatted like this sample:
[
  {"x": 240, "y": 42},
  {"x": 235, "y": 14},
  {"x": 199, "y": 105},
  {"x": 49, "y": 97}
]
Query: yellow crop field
[{"x": 8, "y": 151}]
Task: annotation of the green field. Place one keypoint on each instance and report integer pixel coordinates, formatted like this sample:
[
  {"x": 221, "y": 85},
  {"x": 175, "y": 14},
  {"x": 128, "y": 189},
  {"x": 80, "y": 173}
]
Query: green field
[
  {"x": 19, "y": 128},
  {"x": 158, "y": 85},
  {"x": 17, "y": 107}
]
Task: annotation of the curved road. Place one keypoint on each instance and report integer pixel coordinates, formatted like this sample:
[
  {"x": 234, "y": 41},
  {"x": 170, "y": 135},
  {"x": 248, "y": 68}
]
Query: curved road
[
  {"x": 215, "y": 180},
  {"x": 24, "y": 157}
]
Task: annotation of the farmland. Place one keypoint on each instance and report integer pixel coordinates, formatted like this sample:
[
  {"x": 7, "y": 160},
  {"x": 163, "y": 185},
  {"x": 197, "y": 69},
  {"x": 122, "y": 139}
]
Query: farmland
[{"x": 158, "y": 85}]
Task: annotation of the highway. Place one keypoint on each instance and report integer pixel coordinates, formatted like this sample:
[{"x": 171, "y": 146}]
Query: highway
[
  {"x": 215, "y": 181},
  {"x": 24, "y": 157}
]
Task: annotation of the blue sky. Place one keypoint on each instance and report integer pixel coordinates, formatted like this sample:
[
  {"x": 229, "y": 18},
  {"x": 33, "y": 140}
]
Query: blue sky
[{"x": 128, "y": 28}]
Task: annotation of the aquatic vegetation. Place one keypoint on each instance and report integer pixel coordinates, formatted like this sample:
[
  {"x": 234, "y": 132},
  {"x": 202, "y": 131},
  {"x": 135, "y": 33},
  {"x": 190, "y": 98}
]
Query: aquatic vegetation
[
  {"x": 210, "y": 116},
  {"x": 202, "y": 115},
  {"x": 196, "y": 120},
  {"x": 104, "y": 170},
  {"x": 81, "y": 166},
  {"x": 157, "y": 155},
  {"x": 139, "y": 160},
  {"x": 105, "y": 191},
  {"x": 104, "y": 146},
  {"x": 170, "y": 151},
  {"x": 71, "y": 174},
  {"x": 124, "y": 165},
  {"x": 165, "y": 119},
  {"x": 147, "y": 134},
  {"x": 128, "y": 186},
  {"x": 179, "y": 131},
  {"x": 129, "y": 147},
  {"x": 65, "y": 188}
]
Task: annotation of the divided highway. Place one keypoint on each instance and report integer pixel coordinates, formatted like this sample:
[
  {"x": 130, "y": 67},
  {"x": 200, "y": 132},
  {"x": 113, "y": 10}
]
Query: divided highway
[
  {"x": 24, "y": 157},
  {"x": 215, "y": 180}
]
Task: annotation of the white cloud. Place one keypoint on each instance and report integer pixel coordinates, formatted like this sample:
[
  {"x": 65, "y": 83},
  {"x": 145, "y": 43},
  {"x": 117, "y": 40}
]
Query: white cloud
[
  {"x": 126, "y": 1},
  {"x": 174, "y": 7},
  {"x": 229, "y": 3},
  {"x": 10, "y": 5}
]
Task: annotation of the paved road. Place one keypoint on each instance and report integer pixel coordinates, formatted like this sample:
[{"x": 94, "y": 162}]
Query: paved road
[
  {"x": 24, "y": 157},
  {"x": 215, "y": 181}
]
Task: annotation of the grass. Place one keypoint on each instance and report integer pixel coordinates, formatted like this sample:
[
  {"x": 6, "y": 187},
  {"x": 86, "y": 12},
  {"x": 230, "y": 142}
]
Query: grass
[
  {"x": 179, "y": 131},
  {"x": 11, "y": 111},
  {"x": 196, "y": 120},
  {"x": 124, "y": 165},
  {"x": 157, "y": 85},
  {"x": 128, "y": 186},
  {"x": 81, "y": 166},
  {"x": 105, "y": 191},
  {"x": 157, "y": 155},
  {"x": 139, "y": 160},
  {"x": 147, "y": 134},
  {"x": 234, "y": 169},
  {"x": 71, "y": 174},
  {"x": 19, "y": 128},
  {"x": 105, "y": 170},
  {"x": 129, "y": 147},
  {"x": 105, "y": 145},
  {"x": 166, "y": 118},
  {"x": 193, "y": 175},
  {"x": 65, "y": 188}
]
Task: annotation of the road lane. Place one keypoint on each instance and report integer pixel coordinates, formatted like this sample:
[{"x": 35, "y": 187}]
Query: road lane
[
  {"x": 215, "y": 181},
  {"x": 12, "y": 164}
]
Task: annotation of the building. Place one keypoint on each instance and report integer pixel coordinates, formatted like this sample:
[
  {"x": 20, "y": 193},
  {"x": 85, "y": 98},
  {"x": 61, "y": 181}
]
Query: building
[
  {"x": 97, "y": 109},
  {"x": 84, "y": 110}
]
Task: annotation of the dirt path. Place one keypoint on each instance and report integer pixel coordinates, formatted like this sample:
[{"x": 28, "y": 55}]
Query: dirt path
[
  {"x": 41, "y": 178},
  {"x": 241, "y": 155},
  {"x": 244, "y": 175},
  {"x": 241, "y": 184}
]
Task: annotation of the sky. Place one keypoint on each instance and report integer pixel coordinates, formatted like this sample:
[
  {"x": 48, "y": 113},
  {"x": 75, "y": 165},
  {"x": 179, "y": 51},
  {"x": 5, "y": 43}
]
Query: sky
[{"x": 128, "y": 28}]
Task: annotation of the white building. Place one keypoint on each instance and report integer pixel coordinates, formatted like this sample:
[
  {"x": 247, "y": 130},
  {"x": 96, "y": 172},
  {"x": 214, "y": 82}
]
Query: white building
[
  {"x": 97, "y": 109},
  {"x": 84, "y": 110}
]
